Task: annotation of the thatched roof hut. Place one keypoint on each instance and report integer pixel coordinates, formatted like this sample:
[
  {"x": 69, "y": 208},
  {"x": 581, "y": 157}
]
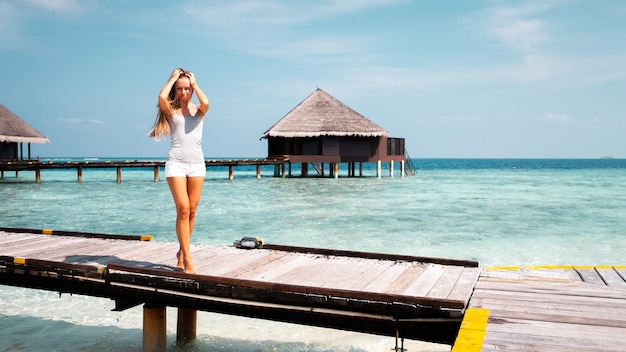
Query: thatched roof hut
[
  {"x": 321, "y": 114},
  {"x": 322, "y": 129},
  {"x": 14, "y": 130}
]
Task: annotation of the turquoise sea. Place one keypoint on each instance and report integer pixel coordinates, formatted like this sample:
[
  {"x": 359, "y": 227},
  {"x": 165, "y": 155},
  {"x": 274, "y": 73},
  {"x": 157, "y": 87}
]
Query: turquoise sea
[{"x": 495, "y": 211}]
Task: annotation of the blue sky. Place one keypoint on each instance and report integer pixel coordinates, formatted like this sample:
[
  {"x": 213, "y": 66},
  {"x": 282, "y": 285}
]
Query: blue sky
[{"x": 458, "y": 78}]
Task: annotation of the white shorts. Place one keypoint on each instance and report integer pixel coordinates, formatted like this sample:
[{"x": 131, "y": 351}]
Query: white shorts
[{"x": 175, "y": 168}]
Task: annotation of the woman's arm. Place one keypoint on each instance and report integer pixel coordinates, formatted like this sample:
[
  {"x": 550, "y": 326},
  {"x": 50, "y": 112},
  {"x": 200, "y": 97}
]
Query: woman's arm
[
  {"x": 164, "y": 103},
  {"x": 202, "y": 98}
]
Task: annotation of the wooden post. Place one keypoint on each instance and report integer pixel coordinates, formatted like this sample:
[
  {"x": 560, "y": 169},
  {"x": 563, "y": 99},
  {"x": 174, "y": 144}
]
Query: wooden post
[
  {"x": 2, "y": 175},
  {"x": 391, "y": 168},
  {"x": 37, "y": 175},
  {"x": 360, "y": 168},
  {"x": 186, "y": 325},
  {"x": 79, "y": 171},
  {"x": 154, "y": 328},
  {"x": 230, "y": 172},
  {"x": 258, "y": 172},
  {"x": 378, "y": 168},
  {"x": 119, "y": 174},
  {"x": 284, "y": 170},
  {"x": 304, "y": 171},
  {"x": 156, "y": 174},
  {"x": 336, "y": 170}
]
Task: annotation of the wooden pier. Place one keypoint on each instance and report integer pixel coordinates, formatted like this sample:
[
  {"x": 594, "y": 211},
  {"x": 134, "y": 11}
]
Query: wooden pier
[
  {"x": 453, "y": 302},
  {"x": 546, "y": 308},
  {"x": 392, "y": 295},
  {"x": 118, "y": 165}
]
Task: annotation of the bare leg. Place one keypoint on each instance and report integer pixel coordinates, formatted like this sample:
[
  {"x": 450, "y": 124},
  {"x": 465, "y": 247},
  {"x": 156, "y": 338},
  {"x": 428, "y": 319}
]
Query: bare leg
[{"x": 186, "y": 193}]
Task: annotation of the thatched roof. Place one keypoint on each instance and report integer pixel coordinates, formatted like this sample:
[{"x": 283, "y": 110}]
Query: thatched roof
[
  {"x": 13, "y": 129},
  {"x": 321, "y": 114}
]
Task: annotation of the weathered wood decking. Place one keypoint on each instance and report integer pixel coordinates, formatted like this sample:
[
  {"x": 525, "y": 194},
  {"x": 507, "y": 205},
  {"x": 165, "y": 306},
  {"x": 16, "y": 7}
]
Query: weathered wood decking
[
  {"x": 547, "y": 308},
  {"x": 439, "y": 300},
  {"x": 414, "y": 297}
]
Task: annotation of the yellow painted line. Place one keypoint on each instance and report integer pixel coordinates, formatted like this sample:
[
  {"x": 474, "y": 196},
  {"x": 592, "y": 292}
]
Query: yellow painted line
[
  {"x": 473, "y": 331},
  {"x": 583, "y": 267},
  {"x": 47, "y": 231},
  {"x": 19, "y": 261},
  {"x": 145, "y": 238},
  {"x": 619, "y": 266},
  {"x": 604, "y": 267}
]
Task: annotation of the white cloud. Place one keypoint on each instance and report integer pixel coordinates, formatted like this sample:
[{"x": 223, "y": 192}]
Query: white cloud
[
  {"x": 518, "y": 26},
  {"x": 270, "y": 28}
]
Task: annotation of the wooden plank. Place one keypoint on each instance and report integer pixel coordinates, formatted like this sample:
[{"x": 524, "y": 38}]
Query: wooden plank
[
  {"x": 371, "y": 255},
  {"x": 279, "y": 267},
  {"x": 536, "y": 297},
  {"x": 350, "y": 274},
  {"x": 364, "y": 272},
  {"x": 551, "y": 311},
  {"x": 464, "y": 287},
  {"x": 409, "y": 275},
  {"x": 611, "y": 277},
  {"x": 563, "y": 332},
  {"x": 621, "y": 270},
  {"x": 381, "y": 282},
  {"x": 8, "y": 238},
  {"x": 589, "y": 274},
  {"x": 265, "y": 260},
  {"x": 207, "y": 260},
  {"x": 426, "y": 281},
  {"x": 310, "y": 273},
  {"x": 25, "y": 243},
  {"x": 512, "y": 341},
  {"x": 580, "y": 289},
  {"x": 446, "y": 282},
  {"x": 41, "y": 248},
  {"x": 236, "y": 258}
]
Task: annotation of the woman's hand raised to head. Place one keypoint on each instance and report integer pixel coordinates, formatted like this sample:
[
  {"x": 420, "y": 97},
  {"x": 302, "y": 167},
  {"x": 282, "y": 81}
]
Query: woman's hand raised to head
[
  {"x": 177, "y": 72},
  {"x": 192, "y": 78}
]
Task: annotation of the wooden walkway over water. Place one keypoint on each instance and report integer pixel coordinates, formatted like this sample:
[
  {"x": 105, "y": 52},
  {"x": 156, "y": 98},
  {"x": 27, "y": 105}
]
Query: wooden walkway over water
[
  {"x": 454, "y": 302},
  {"x": 118, "y": 165}
]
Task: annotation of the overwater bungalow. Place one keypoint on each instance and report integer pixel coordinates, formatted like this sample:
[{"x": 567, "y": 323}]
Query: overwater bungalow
[
  {"x": 322, "y": 129},
  {"x": 14, "y": 132}
]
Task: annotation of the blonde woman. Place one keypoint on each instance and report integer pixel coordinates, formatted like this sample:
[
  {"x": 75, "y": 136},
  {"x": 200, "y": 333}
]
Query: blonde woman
[{"x": 185, "y": 169}]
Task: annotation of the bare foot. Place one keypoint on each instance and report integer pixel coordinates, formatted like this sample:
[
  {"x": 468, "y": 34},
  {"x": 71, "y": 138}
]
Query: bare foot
[
  {"x": 189, "y": 269},
  {"x": 179, "y": 264}
]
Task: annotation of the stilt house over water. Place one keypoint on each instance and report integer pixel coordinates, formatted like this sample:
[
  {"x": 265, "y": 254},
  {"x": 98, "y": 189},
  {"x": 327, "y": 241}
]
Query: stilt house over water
[
  {"x": 322, "y": 129},
  {"x": 14, "y": 132}
]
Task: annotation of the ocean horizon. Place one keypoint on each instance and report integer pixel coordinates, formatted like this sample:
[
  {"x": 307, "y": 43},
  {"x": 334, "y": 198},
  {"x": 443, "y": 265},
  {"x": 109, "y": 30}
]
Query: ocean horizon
[{"x": 495, "y": 211}]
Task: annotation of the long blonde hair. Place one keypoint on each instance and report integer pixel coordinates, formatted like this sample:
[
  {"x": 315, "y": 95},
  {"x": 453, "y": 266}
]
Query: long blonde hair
[{"x": 161, "y": 128}]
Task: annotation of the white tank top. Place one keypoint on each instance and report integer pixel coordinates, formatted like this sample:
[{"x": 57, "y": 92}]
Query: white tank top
[{"x": 186, "y": 136}]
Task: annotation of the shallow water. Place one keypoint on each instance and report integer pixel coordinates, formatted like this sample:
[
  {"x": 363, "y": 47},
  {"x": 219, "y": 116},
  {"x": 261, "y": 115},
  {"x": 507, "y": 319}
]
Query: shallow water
[{"x": 499, "y": 212}]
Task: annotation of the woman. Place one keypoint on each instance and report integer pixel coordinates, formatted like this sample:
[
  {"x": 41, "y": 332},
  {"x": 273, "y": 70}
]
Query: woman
[{"x": 185, "y": 170}]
